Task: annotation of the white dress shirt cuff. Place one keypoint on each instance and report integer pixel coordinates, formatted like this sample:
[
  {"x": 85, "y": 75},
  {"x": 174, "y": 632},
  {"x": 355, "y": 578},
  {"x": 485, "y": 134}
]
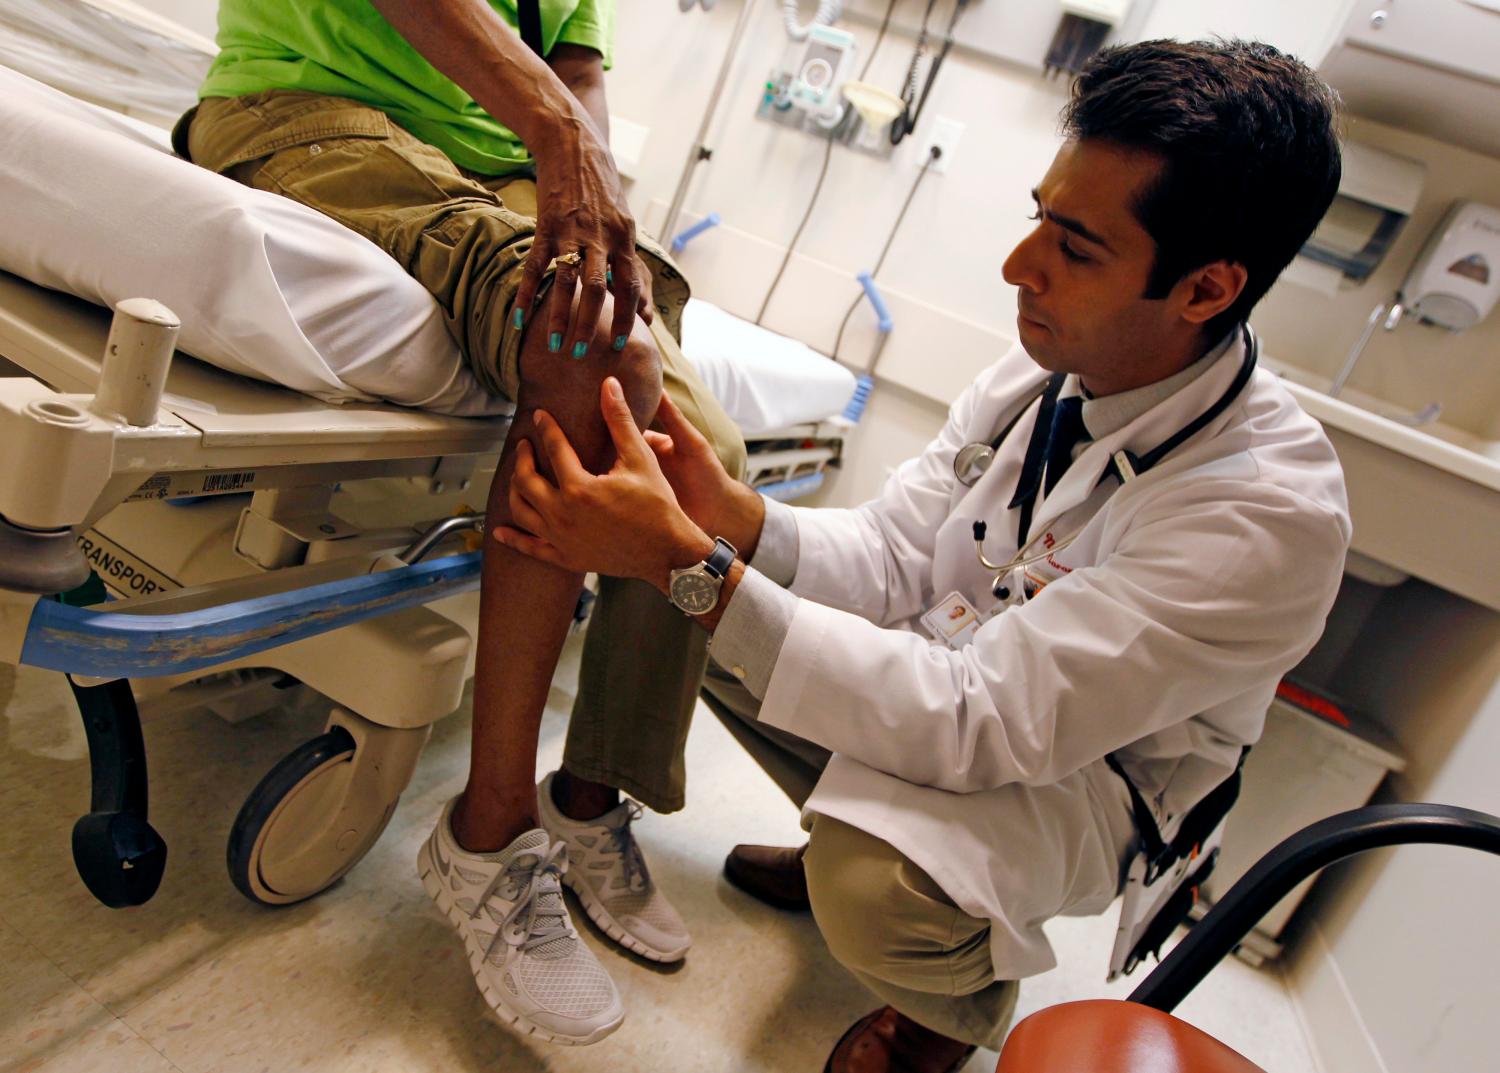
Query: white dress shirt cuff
[
  {"x": 748, "y": 640},
  {"x": 779, "y": 549}
]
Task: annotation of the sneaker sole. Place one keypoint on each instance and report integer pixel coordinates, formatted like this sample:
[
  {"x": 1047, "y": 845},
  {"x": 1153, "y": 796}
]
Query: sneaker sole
[
  {"x": 444, "y": 901},
  {"x": 610, "y": 927}
]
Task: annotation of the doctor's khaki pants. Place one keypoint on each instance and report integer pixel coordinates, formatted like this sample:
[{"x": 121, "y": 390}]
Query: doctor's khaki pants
[
  {"x": 465, "y": 237},
  {"x": 885, "y": 919}
]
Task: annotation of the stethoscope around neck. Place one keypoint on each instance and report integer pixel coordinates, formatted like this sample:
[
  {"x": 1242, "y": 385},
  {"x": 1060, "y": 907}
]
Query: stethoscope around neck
[{"x": 973, "y": 460}]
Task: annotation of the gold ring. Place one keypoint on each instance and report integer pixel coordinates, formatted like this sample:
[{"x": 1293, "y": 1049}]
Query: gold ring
[{"x": 570, "y": 259}]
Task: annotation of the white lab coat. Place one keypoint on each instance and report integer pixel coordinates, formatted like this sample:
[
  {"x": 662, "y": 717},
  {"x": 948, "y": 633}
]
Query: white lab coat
[{"x": 1160, "y": 635}]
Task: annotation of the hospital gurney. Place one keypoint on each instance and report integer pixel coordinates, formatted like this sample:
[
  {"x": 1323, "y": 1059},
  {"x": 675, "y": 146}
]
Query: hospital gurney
[
  {"x": 252, "y": 535},
  {"x": 142, "y": 479},
  {"x": 221, "y": 585}
]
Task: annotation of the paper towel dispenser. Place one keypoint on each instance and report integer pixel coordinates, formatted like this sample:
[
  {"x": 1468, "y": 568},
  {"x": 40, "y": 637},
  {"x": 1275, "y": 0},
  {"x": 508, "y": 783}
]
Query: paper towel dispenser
[{"x": 1377, "y": 194}]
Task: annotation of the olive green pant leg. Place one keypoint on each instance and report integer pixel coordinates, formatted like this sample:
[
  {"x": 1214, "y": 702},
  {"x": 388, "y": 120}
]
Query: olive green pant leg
[{"x": 643, "y": 660}]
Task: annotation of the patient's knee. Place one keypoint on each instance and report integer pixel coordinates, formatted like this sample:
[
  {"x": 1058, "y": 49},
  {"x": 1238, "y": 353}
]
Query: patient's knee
[
  {"x": 638, "y": 368},
  {"x": 568, "y": 387},
  {"x": 547, "y": 375}
]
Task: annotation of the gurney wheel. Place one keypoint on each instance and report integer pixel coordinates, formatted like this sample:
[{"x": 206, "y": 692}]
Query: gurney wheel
[{"x": 295, "y": 836}]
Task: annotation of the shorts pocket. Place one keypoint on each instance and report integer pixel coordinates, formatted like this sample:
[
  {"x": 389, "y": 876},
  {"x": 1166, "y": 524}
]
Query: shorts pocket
[{"x": 229, "y": 132}]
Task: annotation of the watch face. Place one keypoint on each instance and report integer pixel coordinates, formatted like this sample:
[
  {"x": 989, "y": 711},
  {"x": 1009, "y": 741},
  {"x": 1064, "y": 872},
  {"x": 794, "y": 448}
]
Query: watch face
[{"x": 695, "y": 593}]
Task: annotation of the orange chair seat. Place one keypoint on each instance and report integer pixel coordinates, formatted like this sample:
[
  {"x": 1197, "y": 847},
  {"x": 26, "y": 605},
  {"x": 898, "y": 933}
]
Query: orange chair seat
[{"x": 1109, "y": 1036}]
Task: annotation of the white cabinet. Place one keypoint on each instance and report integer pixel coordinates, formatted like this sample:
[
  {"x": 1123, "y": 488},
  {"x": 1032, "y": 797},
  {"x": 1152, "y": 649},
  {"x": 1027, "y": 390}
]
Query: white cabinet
[
  {"x": 1304, "y": 28},
  {"x": 1426, "y": 65},
  {"x": 1460, "y": 36},
  {"x": 1019, "y": 31}
]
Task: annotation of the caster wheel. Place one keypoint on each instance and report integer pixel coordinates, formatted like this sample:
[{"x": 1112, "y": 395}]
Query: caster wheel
[{"x": 295, "y": 836}]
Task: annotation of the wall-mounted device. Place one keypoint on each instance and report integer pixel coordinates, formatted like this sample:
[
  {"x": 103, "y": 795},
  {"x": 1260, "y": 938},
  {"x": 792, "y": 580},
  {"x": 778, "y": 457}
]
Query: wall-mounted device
[
  {"x": 1377, "y": 194},
  {"x": 1453, "y": 284},
  {"x": 1456, "y": 278},
  {"x": 821, "y": 70},
  {"x": 1081, "y": 33}
]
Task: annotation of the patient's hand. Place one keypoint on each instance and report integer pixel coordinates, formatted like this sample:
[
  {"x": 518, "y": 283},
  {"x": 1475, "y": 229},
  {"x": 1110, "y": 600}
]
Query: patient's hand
[
  {"x": 624, "y": 523},
  {"x": 584, "y": 222},
  {"x": 582, "y": 215}
]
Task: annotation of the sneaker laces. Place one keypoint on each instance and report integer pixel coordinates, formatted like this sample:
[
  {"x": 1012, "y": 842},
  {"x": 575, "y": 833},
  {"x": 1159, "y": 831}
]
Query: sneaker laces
[
  {"x": 528, "y": 874},
  {"x": 623, "y": 844}
]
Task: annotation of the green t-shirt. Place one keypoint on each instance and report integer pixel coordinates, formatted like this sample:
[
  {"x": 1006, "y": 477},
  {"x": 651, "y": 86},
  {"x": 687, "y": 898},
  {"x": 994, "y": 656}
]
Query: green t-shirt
[{"x": 344, "y": 48}]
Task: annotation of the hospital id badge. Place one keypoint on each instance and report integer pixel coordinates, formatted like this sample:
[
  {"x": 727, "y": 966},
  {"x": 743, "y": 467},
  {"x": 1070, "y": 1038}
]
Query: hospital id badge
[{"x": 953, "y": 621}]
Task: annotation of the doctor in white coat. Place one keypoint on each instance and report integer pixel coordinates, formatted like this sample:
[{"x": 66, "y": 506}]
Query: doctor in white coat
[{"x": 1163, "y": 532}]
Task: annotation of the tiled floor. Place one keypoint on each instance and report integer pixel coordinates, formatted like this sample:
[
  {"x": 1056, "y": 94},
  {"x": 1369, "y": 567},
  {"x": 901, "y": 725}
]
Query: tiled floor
[{"x": 368, "y": 976}]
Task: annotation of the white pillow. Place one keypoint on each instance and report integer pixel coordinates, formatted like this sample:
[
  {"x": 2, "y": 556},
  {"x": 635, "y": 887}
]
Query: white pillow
[
  {"x": 95, "y": 204},
  {"x": 766, "y": 381}
]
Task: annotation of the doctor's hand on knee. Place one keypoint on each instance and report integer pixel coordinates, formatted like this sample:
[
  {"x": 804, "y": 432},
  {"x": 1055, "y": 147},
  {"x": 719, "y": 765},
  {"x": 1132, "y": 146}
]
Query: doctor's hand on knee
[
  {"x": 719, "y": 504},
  {"x": 625, "y": 522}
]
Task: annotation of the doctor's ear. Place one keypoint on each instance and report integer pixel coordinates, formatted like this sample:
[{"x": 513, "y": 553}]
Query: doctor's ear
[{"x": 1208, "y": 291}]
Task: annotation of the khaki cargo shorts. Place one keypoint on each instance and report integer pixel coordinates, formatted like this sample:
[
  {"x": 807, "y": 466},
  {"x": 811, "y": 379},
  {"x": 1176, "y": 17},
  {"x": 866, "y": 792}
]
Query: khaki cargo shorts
[{"x": 463, "y": 236}]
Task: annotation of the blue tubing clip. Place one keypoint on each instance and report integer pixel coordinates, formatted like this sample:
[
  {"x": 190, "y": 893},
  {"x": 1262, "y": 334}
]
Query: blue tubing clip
[
  {"x": 709, "y": 221},
  {"x": 859, "y": 400},
  {"x": 872, "y": 292}
]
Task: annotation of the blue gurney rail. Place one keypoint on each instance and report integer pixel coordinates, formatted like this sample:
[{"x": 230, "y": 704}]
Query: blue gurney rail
[{"x": 113, "y": 644}]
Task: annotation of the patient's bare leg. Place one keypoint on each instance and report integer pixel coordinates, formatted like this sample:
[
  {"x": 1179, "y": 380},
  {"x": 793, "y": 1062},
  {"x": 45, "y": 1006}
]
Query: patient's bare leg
[{"x": 525, "y": 606}]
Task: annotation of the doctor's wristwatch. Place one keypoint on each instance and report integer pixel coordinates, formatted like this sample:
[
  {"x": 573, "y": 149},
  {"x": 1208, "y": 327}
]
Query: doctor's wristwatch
[{"x": 694, "y": 590}]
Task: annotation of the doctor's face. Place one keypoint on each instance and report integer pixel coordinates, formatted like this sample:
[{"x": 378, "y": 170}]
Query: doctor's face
[{"x": 1082, "y": 271}]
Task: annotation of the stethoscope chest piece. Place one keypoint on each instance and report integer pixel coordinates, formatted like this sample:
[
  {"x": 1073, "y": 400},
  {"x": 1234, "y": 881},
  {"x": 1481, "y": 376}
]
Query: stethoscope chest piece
[
  {"x": 974, "y": 459},
  {"x": 972, "y": 462}
]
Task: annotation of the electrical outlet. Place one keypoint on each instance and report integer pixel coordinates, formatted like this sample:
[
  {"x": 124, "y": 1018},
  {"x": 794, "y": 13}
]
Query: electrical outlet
[{"x": 944, "y": 133}]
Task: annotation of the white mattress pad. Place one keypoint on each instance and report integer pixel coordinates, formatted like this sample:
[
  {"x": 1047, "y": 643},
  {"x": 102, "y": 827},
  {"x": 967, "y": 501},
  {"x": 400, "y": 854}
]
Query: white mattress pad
[
  {"x": 96, "y": 204},
  {"x": 765, "y": 381}
]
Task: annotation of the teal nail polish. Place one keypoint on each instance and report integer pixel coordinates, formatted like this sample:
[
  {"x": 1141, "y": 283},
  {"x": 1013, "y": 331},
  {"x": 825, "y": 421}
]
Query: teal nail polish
[
  {"x": 519, "y": 318},
  {"x": 620, "y": 341},
  {"x": 554, "y": 342},
  {"x": 609, "y": 275},
  {"x": 580, "y": 349}
]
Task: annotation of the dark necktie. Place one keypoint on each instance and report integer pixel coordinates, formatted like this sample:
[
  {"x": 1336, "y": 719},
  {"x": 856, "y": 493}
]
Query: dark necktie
[{"x": 1068, "y": 431}]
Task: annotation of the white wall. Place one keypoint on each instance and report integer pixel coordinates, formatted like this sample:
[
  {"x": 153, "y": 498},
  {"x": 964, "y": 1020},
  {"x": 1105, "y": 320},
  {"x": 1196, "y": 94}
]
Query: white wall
[
  {"x": 945, "y": 266},
  {"x": 948, "y": 255}
]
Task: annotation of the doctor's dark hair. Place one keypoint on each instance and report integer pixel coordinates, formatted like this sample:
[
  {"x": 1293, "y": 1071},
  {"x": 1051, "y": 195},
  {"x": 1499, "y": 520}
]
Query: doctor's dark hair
[{"x": 1251, "y": 154}]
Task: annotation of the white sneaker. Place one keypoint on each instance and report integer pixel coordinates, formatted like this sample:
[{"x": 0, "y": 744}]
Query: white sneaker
[
  {"x": 531, "y": 966},
  {"x": 609, "y": 875}
]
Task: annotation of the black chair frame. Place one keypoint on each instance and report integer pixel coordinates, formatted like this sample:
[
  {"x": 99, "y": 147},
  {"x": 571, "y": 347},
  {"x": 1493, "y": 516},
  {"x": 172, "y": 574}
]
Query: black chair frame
[{"x": 1303, "y": 854}]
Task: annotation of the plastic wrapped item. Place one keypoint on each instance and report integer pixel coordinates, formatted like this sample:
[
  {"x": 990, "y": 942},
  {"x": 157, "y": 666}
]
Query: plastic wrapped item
[{"x": 102, "y": 52}]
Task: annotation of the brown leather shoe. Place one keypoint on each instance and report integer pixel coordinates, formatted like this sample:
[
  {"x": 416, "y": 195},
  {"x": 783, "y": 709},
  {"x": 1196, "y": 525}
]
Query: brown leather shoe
[
  {"x": 771, "y": 873},
  {"x": 888, "y": 1042}
]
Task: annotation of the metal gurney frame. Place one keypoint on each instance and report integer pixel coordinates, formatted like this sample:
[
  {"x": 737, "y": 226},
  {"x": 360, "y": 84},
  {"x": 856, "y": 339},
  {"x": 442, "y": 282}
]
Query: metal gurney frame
[{"x": 82, "y": 442}]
